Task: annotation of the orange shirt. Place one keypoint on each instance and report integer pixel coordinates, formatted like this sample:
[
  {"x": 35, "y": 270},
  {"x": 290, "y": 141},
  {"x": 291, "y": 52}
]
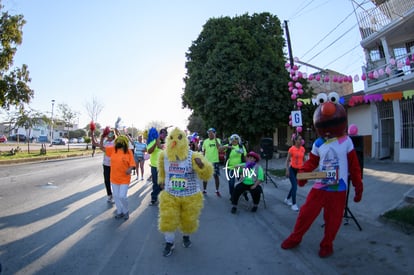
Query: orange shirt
[
  {"x": 120, "y": 162},
  {"x": 296, "y": 156}
]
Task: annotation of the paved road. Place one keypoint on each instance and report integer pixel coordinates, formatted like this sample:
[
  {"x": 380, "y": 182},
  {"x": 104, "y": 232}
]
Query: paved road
[{"x": 68, "y": 228}]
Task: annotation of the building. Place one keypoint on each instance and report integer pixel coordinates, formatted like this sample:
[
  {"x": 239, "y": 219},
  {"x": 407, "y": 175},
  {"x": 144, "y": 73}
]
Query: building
[{"x": 387, "y": 33}]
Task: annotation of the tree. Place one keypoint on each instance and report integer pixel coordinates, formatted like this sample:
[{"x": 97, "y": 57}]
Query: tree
[
  {"x": 14, "y": 89},
  {"x": 27, "y": 119},
  {"x": 68, "y": 116},
  {"x": 236, "y": 80},
  {"x": 196, "y": 124},
  {"x": 94, "y": 108}
]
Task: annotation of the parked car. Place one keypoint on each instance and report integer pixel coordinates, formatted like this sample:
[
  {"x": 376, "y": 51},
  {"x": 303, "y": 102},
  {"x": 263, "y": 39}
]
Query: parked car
[
  {"x": 59, "y": 141},
  {"x": 81, "y": 140},
  {"x": 22, "y": 138},
  {"x": 73, "y": 140},
  {"x": 3, "y": 138}
]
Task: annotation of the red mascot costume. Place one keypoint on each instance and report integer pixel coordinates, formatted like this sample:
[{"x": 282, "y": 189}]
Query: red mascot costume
[{"x": 333, "y": 152}]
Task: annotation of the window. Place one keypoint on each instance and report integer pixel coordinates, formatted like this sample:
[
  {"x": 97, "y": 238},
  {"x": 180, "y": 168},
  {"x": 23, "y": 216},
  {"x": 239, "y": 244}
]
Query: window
[{"x": 407, "y": 123}]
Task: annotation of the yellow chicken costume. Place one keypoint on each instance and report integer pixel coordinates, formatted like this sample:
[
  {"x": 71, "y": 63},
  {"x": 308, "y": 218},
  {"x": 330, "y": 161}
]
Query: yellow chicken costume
[{"x": 181, "y": 200}]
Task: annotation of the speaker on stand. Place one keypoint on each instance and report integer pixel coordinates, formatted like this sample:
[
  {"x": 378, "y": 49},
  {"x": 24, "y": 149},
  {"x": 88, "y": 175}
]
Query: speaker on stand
[{"x": 266, "y": 152}]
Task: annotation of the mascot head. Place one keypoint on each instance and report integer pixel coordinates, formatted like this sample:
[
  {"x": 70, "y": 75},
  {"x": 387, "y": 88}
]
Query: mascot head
[
  {"x": 177, "y": 145},
  {"x": 330, "y": 118}
]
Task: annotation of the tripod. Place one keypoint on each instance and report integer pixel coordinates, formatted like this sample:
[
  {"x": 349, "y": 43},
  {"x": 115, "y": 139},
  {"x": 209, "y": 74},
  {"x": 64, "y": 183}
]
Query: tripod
[
  {"x": 267, "y": 175},
  {"x": 347, "y": 213}
]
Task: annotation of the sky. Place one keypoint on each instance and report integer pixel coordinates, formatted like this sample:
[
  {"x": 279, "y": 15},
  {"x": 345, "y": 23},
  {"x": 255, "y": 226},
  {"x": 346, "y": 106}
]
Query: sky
[{"x": 130, "y": 54}]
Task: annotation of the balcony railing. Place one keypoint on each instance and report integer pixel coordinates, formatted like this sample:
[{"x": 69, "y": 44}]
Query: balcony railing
[
  {"x": 380, "y": 72},
  {"x": 372, "y": 20}
]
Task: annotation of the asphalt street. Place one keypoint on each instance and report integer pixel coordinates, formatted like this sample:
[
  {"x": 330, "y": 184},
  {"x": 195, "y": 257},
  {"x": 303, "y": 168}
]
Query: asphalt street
[{"x": 68, "y": 228}]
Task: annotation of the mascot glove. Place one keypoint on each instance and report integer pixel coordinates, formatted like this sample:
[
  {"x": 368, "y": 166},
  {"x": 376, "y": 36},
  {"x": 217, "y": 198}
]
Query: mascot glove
[
  {"x": 302, "y": 183},
  {"x": 358, "y": 195}
]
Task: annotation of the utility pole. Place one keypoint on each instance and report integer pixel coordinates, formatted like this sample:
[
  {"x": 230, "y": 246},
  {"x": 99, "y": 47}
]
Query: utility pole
[{"x": 289, "y": 43}]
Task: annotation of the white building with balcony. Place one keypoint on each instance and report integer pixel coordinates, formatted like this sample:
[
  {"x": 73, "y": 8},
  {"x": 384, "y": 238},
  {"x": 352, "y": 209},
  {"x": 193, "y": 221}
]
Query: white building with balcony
[{"x": 387, "y": 32}]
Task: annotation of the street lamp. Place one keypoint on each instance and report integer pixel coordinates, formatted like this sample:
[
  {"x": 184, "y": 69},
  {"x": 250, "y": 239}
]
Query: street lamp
[{"x": 51, "y": 122}]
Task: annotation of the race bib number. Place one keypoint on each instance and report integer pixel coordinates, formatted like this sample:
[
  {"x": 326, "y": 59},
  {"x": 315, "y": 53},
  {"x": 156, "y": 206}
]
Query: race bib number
[
  {"x": 178, "y": 184},
  {"x": 331, "y": 177}
]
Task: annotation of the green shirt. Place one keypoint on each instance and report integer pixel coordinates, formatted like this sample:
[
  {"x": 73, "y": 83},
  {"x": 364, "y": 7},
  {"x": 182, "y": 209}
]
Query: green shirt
[
  {"x": 210, "y": 150},
  {"x": 155, "y": 154},
  {"x": 253, "y": 174},
  {"x": 235, "y": 155}
]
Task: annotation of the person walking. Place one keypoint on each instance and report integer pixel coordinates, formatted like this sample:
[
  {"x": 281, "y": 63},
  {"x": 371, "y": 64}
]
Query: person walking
[
  {"x": 235, "y": 155},
  {"x": 252, "y": 177},
  {"x": 122, "y": 163},
  {"x": 107, "y": 140},
  {"x": 154, "y": 147},
  {"x": 211, "y": 147},
  {"x": 294, "y": 161},
  {"x": 139, "y": 151}
]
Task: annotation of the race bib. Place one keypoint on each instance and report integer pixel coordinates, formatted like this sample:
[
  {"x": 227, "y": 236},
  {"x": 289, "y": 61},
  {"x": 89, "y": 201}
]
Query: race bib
[{"x": 178, "y": 183}]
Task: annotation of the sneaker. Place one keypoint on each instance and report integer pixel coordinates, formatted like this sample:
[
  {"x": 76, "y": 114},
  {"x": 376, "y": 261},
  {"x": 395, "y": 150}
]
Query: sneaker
[
  {"x": 288, "y": 202},
  {"x": 126, "y": 216},
  {"x": 186, "y": 241},
  {"x": 294, "y": 207},
  {"x": 218, "y": 194},
  {"x": 168, "y": 250},
  {"x": 254, "y": 208},
  {"x": 204, "y": 192},
  {"x": 233, "y": 210},
  {"x": 119, "y": 216},
  {"x": 153, "y": 203},
  {"x": 110, "y": 199},
  {"x": 142, "y": 178}
]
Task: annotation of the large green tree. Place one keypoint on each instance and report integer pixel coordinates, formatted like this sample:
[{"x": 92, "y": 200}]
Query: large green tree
[
  {"x": 236, "y": 78},
  {"x": 14, "y": 88}
]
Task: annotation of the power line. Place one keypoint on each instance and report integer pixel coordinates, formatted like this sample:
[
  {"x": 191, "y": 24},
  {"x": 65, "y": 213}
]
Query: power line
[
  {"x": 336, "y": 40},
  {"x": 340, "y": 23},
  {"x": 341, "y": 56},
  {"x": 300, "y": 10}
]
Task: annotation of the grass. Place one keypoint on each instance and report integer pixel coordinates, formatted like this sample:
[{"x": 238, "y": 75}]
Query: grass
[
  {"x": 403, "y": 215},
  {"x": 50, "y": 152}
]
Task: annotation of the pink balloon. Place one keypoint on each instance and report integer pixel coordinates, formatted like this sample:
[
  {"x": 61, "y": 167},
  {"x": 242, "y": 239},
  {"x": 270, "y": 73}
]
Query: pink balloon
[
  {"x": 302, "y": 142},
  {"x": 298, "y": 85},
  {"x": 388, "y": 70},
  {"x": 299, "y": 103},
  {"x": 290, "y": 89},
  {"x": 287, "y": 65},
  {"x": 295, "y": 78},
  {"x": 290, "y": 83},
  {"x": 293, "y": 96},
  {"x": 356, "y": 78},
  {"x": 300, "y": 75},
  {"x": 364, "y": 77},
  {"x": 392, "y": 61},
  {"x": 335, "y": 78},
  {"x": 376, "y": 74},
  {"x": 300, "y": 91},
  {"x": 299, "y": 129},
  {"x": 352, "y": 130},
  {"x": 370, "y": 75},
  {"x": 350, "y": 79},
  {"x": 290, "y": 122},
  {"x": 400, "y": 65},
  {"x": 326, "y": 78},
  {"x": 290, "y": 117},
  {"x": 381, "y": 72},
  {"x": 311, "y": 77},
  {"x": 318, "y": 78},
  {"x": 295, "y": 67},
  {"x": 407, "y": 61}
]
